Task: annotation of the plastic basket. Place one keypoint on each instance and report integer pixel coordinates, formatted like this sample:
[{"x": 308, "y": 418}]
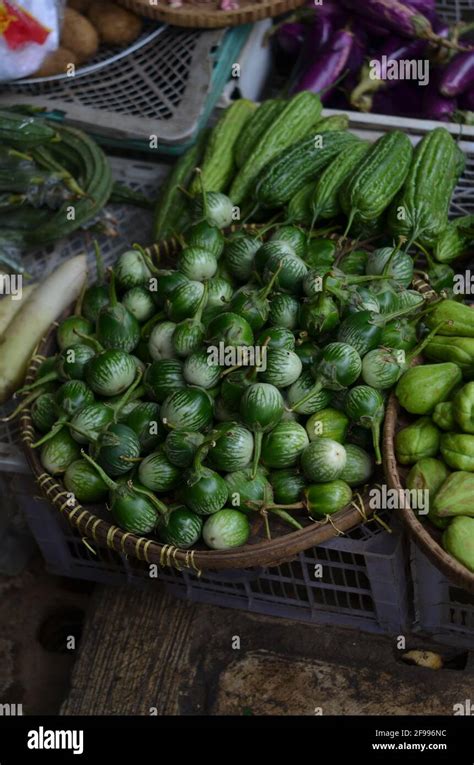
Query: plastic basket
[
  {"x": 167, "y": 88},
  {"x": 442, "y": 610},
  {"x": 362, "y": 583},
  {"x": 455, "y": 10}
]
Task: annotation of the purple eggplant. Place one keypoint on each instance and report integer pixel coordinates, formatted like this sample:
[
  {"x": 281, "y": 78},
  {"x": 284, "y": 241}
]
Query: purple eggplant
[
  {"x": 375, "y": 30},
  {"x": 290, "y": 38},
  {"x": 426, "y": 7},
  {"x": 397, "y": 16},
  {"x": 403, "y": 100},
  {"x": 327, "y": 69},
  {"x": 466, "y": 100},
  {"x": 458, "y": 77},
  {"x": 383, "y": 72},
  {"x": 435, "y": 106}
]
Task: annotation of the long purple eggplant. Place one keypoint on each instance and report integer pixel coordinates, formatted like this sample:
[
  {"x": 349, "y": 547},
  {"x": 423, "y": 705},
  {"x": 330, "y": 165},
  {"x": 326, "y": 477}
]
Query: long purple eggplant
[
  {"x": 436, "y": 106},
  {"x": 426, "y": 7},
  {"x": 376, "y": 75},
  {"x": 458, "y": 77},
  {"x": 290, "y": 37},
  {"x": 327, "y": 69},
  {"x": 399, "y": 17},
  {"x": 466, "y": 101}
]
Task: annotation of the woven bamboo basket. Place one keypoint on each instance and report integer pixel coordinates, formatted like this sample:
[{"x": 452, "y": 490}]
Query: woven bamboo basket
[
  {"x": 426, "y": 536},
  {"x": 94, "y": 525},
  {"x": 209, "y": 16}
]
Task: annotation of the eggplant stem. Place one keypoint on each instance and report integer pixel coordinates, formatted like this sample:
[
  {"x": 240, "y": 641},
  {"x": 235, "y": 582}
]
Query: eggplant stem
[
  {"x": 50, "y": 377},
  {"x": 101, "y": 473},
  {"x": 154, "y": 500},
  {"x": 91, "y": 340},
  {"x": 418, "y": 349},
  {"x": 257, "y": 449},
  {"x": 23, "y": 405},
  {"x": 375, "y": 428},
  {"x": 99, "y": 263},
  {"x": 127, "y": 395},
  {"x": 53, "y": 432},
  {"x": 288, "y": 518}
]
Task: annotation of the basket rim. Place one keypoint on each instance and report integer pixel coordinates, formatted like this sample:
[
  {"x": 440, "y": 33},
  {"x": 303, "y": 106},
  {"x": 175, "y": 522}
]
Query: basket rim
[
  {"x": 199, "y": 18},
  {"x": 266, "y": 552},
  {"x": 449, "y": 566}
]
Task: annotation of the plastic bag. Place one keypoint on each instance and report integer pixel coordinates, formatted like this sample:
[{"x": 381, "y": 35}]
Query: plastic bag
[{"x": 29, "y": 30}]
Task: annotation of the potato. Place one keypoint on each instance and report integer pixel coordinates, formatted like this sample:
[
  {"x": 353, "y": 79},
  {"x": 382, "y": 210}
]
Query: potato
[
  {"x": 57, "y": 63},
  {"x": 79, "y": 35},
  {"x": 80, "y": 5},
  {"x": 115, "y": 25}
]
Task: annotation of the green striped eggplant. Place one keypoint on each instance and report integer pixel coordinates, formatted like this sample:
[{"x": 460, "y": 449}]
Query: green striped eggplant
[
  {"x": 323, "y": 460},
  {"x": 226, "y": 529},
  {"x": 182, "y": 529},
  {"x": 157, "y": 473},
  {"x": 187, "y": 409},
  {"x": 232, "y": 447},
  {"x": 282, "y": 367},
  {"x": 111, "y": 372},
  {"x": 282, "y": 446},
  {"x": 261, "y": 409}
]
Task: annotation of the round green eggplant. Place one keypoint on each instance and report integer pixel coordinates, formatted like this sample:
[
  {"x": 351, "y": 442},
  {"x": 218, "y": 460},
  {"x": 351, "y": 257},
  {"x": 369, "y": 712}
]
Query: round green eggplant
[
  {"x": 131, "y": 270},
  {"x": 187, "y": 409},
  {"x": 207, "y": 237},
  {"x": 95, "y": 298},
  {"x": 293, "y": 236},
  {"x": 233, "y": 448},
  {"x": 72, "y": 362},
  {"x": 282, "y": 367},
  {"x": 287, "y": 486},
  {"x": 290, "y": 272},
  {"x": 284, "y": 311},
  {"x": 206, "y": 494},
  {"x": 397, "y": 265},
  {"x": 231, "y": 330},
  {"x": 157, "y": 473},
  {"x": 58, "y": 453},
  {"x": 303, "y": 398},
  {"x": 239, "y": 255},
  {"x": 282, "y": 446},
  {"x": 139, "y": 302},
  {"x": 323, "y": 460},
  {"x": 245, "y": 490},
  {"x": 359, "y": 466},
  {"x": 182, "y": 529},
  {"x": 365, "y": 406},
  {"x": 184, "y": 301},
  {"x": 181, "y": 447},
  {"x": 200, "y": 371},
  {"x": 88, "y": 422},
  {"x": 117, "y": 328},
  {"x": 82, "y": 480},
  {"x": 117, "y": 449},
  {"x": 226, "y": 529},
  {"x": 144, "y": 420},
  {"x": 272, "y": 249},
  {"x": 197, "y": 263},
  {"x": 160, "y": 342},
  {"x": 328, "y": 423},
  {"x": 261, "y": 409},
  {"x": 111, "y": 372},
  {"x": 72, "y": 396},
  {"x": 163, "y": 377},
  {"x": 324, "y": 499},
  {"x": 277, "y": 337},
  {"x": 66, "y": 334},
  {"x": 44, "y": 412}
]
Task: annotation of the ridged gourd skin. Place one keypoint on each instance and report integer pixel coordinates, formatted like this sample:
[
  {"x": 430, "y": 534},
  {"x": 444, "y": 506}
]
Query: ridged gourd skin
[
  {"x": 297, "y": 164},
  {"x": 218, "y": 163},
  {"x": 378, "y": 178},
  {"x": 325, "y": 197},
  {"x": 294, "y": 122},
  {"x": 258, "y": 123},
  {"x": 420, "y": 211}
]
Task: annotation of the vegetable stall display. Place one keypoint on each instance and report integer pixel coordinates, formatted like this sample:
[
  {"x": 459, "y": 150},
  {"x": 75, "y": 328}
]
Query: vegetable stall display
[
  {"x": 387, "y": 56},
  {"x": 158, "y": 389}
]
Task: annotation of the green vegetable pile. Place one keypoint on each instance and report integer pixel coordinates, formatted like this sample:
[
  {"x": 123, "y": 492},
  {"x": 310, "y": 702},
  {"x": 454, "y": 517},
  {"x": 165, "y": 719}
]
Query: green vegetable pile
[
  {"x": 251, "y": 377},
  {"x": 439, "y": 444}
]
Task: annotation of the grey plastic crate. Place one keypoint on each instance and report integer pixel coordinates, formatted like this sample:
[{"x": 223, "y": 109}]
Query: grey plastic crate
[
  {"x": 442, "y": 610},
  {"x": 455, "y": 10},
  {"x": 364, "y": 583}
]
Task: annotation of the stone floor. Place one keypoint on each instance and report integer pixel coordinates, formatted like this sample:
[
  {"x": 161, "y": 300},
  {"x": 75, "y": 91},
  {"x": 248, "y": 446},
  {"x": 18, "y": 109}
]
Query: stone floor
[{"x": 147, "y": 653}]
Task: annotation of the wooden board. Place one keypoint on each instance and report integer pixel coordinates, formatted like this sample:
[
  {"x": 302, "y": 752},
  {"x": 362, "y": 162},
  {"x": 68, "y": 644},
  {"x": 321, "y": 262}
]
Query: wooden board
[{"x": 210, "y": 17}]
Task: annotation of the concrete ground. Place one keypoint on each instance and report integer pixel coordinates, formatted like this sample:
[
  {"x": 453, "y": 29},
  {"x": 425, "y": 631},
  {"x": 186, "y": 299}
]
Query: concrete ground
[{"x": 147, "y": 653}]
